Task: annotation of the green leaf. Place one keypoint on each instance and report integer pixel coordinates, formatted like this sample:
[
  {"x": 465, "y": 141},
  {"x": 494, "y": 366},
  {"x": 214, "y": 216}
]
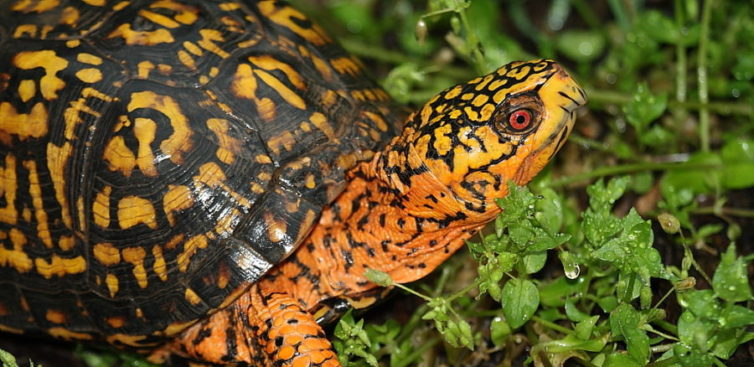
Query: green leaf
[
  {"x": 699, "y": 181},
  {"x": 520, "y": 300},
  {"x": 583, "y": 329},
  {"x": 571, "y": 343},
  {"x": 534, "y": 262},
  {"x": 617, "y": 359},
  {"x": 626, "y": 321},
  {"x": 555, "y": 293},
  {"x": 608, "y": 303},
  {"x": 738, "y": 170},
  {"x": 352, "y": 341},
  {"x": 499, "y": 331},
  {"x": 731, "y": 281},
  {"x": 695, "y": 331},
  {"x": 580, "y": 46},
  {"x": 378, "y": 277},
  {"x": 735, "y": 316},
  {"x": 549, "y": 213},
  {"x": 690, "y": 357},
  {"x": 659, "y": 27},
  {"x": 644, "y": 107},
  {"x": 573, "y": 313},
  {"x": 7, "y": 359}
]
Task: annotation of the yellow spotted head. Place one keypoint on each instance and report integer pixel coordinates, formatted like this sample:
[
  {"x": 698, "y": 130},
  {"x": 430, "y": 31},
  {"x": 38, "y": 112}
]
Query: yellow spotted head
[{"x": 475, "y": 137}]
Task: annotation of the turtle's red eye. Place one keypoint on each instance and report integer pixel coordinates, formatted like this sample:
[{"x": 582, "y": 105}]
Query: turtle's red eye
[{"x": 520, "y": 120}]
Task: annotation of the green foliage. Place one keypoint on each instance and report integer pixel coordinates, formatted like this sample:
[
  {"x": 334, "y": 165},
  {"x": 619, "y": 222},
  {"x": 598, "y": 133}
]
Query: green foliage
[{"x": 8, "y": 360}]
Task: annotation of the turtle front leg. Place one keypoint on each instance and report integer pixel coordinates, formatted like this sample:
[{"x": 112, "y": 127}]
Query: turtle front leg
[{"x": 260, "y": 328}]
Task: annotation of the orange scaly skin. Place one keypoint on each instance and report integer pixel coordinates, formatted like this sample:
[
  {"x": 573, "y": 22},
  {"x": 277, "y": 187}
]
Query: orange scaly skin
[{"x": 403, "y": 213}]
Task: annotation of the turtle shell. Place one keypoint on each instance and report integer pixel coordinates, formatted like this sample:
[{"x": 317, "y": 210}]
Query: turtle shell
[{"x": 158, "y": 157}]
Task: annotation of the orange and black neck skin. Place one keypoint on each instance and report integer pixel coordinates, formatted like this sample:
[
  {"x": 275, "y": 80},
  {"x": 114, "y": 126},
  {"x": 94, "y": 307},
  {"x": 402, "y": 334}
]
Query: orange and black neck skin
[{"x": 413, "y": 205}]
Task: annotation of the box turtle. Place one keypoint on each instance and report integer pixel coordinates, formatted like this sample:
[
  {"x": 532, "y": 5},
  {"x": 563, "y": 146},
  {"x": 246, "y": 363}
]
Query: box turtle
[{"x": 211, "y": 178}]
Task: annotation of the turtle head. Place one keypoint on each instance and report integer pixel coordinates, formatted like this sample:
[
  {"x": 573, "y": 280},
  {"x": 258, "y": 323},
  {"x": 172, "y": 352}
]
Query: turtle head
[{"x": 504, "y": 126}]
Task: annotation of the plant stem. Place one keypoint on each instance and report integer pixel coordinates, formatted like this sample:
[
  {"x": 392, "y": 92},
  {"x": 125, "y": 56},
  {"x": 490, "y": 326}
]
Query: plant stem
[
  {"x": 418, "y": 352},
  {"x": 552, "y": 325},
  {"x": 723, "y": 108},
  {"x": 480, "y": 64},
  {"x": 630, "y": 168},
  {"x": 736, "y": 212},
  {"x": 704, "y": 128},
  {"x": 680, "y": 52}
]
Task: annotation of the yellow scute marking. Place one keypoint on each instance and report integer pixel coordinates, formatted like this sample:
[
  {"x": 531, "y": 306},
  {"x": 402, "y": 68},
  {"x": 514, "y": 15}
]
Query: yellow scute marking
[
  {"x": 34, "y": 6},
  {"x": 135, "y": 256},
  {"x": 8, "y": 187},
  {"x": 228, "y": 146},
  {"x": 55, "y": 316},
  {"x": 244, "y": 85},
  {"x": 16, "y": 257},
  {"x": 24, "y": 125},
  {"x": 59, "y": 266},
  {"x": 125, "y": 339},
  {"x": 50, "y": 62},
  {"x": 158, "y": 19},
  {"x": 101, "y": 207},
  {"x": 89, "y": 59},
  {"x": 9, "y": 329},
  {"x": 116, "y": 321},
  {"x": 145, "y": 130},
  {"x": 141, "y": 38},
  {"x": 189, "y": 248},
  {"x": 285, "y": 16},
  {"x": 35, "y": 190},
  {"x": 320, "y": 121},
  {"x": 443, "y": 142},
  {"x": 480, "y": 100},
  {"x": 270, "y": 63},
  {"x": 276, "y": 229},
  {"x": 180, "y": 141},
  {"x": 209, "y": 37},
  {"x": 106, "y": 253},
  {"x": 95, "y": 2},
  {"x": 177, "y": 198},
  {"x": 345, "y": 65},
  {"x": 145, "y": 67},
  {"x": 229, "y": 6},
  {"x": 160, "y": 267},
  {"x": 133, "y": 210},
  {"x": 112, "y": 284},
  {"x": 25, "y": 30},
  {"x": 57, "y": 157},
  {"x": 63, "y": 333},
  {"x": 288, "y": 95},
  {"x": 27, "y": 89},
  {"x": 89, "y": 75},
  {"x": 192, "y": 297},
  {"x": 119, "y": 157},
  {"x": 186, "y": 13},
  {"x": 66, "y": 243},
  {"x": 186, "y": 59},
  {"x": 193, "y": 48},
  {"x": 454, "y": 92},
  {"x": 285, "y": 140}
]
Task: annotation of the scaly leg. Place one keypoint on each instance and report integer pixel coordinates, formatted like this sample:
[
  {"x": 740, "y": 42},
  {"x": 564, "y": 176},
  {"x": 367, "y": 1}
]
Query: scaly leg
[{"x": 260, "y": 328}]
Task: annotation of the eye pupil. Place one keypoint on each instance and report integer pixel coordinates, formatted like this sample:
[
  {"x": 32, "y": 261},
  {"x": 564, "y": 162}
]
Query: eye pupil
[{"x": 520, "y": 119}]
